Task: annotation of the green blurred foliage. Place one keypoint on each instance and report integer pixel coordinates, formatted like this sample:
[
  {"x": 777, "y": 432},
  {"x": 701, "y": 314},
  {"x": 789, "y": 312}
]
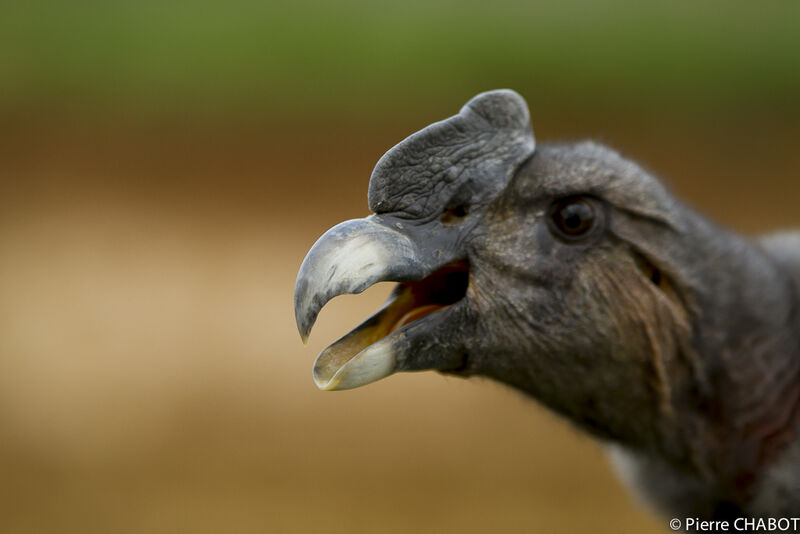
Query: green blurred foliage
[{"x": 362, "y": 57}]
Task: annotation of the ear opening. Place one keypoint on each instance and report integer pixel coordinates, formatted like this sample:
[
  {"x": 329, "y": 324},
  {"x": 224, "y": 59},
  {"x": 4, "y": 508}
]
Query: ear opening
[
  {"x": 650, "y": 271},
  {"x": 656, "y": 276},
  {"x": 679, "y": 312}
]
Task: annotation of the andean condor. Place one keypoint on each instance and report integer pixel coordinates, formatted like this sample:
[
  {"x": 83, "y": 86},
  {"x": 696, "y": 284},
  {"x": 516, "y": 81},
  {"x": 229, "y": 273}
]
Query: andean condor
[{"x": 573, "y": 275}]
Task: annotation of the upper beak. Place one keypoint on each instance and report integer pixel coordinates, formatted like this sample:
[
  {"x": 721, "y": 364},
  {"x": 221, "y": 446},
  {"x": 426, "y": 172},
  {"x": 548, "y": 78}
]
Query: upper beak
[{"x": 349, "y": 258}]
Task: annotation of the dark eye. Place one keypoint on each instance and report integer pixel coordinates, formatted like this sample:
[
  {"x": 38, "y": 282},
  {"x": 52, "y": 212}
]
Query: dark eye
[{"x": 572, "y": 218}]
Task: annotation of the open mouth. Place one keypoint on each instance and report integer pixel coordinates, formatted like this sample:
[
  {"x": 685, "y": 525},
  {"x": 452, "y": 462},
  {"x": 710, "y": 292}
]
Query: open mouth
[{"x": 410, "y": 302}]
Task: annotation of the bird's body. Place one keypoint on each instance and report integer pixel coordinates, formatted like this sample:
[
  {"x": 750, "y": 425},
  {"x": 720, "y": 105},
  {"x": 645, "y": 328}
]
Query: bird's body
[{"x": 571, "y": 274}]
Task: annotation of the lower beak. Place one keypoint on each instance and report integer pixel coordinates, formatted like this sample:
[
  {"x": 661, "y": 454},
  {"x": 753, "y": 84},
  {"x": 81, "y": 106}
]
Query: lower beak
[
  {"x": 367, "y": 354},
  {"x": 349, "y": 362}
]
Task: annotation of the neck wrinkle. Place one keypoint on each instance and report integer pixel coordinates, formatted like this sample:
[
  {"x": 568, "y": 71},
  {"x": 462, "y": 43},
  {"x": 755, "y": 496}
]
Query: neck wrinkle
[{"x": 754, "y": 369}]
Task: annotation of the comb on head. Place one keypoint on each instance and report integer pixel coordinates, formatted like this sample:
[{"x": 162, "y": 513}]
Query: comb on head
[{"x": 473, "y": 154}]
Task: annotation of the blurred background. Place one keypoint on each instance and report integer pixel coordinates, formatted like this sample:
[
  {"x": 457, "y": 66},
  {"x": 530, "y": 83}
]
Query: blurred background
[{"x": 164, "y": 167}]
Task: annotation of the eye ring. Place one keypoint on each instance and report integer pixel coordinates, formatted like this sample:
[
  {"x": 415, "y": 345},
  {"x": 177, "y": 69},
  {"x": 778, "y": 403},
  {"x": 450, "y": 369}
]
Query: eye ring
[{"x": 573, "y": 218}]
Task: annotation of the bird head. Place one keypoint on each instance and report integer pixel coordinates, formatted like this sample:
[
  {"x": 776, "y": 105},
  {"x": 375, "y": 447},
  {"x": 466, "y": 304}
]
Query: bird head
[
  {"x": 564, "y": 271},
  {"x": 571, "y": 274}
]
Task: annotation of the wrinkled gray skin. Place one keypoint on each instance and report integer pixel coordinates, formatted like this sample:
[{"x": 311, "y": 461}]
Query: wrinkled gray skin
[{"x": 691, "y": 378}]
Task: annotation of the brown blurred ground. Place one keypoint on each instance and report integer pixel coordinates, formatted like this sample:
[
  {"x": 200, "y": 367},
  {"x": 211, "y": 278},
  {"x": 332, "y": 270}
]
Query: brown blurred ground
[{"x": 151, "y": 377}]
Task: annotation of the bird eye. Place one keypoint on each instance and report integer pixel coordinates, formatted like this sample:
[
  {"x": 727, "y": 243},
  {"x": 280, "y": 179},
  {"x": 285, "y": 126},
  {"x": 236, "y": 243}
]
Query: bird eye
[{"x": 572, "y": 218}]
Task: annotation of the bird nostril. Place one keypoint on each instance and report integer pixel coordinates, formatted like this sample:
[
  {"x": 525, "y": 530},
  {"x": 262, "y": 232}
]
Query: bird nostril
[{"x": 454, "y": 215}]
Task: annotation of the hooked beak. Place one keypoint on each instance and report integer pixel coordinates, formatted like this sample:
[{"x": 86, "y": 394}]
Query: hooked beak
[{"x": 351, "y": 257}]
